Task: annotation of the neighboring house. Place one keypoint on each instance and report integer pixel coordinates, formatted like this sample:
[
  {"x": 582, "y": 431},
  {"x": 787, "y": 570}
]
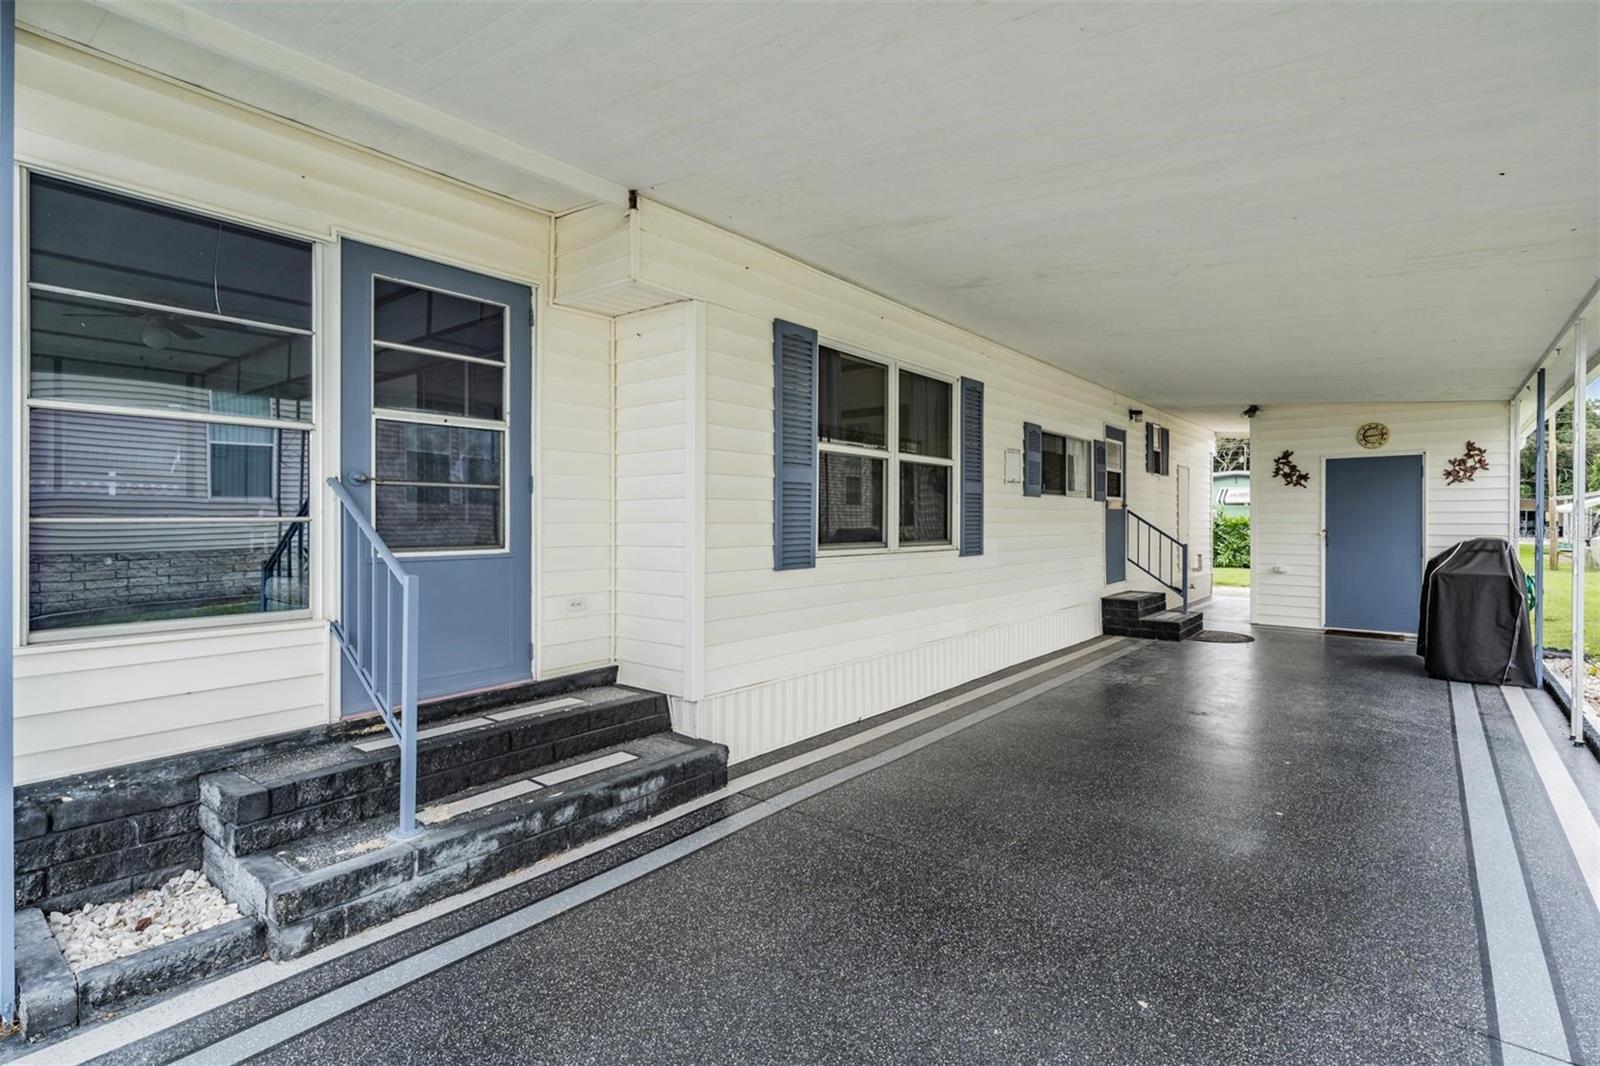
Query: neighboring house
[{"x": 1230, "y": 493}]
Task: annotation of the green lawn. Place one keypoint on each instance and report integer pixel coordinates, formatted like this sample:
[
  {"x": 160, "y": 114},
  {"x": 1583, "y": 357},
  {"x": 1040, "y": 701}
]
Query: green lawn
[
  {"x": 1233, "y": 576},
  {"x": 1558, "y": 604}
]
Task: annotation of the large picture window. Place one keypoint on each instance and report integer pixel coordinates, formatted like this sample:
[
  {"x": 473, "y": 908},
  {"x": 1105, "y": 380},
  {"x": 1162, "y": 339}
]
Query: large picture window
[
  {"x": 169, "y": 411},
  {"x": 885, "y": 433}
]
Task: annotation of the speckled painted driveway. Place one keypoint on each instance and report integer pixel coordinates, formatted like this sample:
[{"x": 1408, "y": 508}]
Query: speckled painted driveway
[{"x": 1192, "y": 853}]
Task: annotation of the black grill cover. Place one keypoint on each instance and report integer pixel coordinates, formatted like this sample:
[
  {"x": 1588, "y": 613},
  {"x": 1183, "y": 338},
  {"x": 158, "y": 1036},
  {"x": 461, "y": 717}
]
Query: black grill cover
[{"x": 1473, "y": 625}]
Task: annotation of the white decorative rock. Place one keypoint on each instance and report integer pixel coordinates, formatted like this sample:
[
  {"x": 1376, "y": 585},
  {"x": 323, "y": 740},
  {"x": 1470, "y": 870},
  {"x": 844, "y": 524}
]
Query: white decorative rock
[{"x": 98, "y": 933}]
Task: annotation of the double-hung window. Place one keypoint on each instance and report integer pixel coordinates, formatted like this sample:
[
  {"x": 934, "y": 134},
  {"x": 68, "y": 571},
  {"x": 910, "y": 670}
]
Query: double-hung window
[
  {"x": 886, "y": 454},
  {"x": 168, "y": 412},
  {"x": 1067, "y": 465}
]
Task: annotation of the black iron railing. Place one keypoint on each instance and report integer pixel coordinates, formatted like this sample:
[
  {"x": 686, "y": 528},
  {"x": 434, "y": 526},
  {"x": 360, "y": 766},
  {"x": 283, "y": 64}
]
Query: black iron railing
[
  {"x": 1159, "y": 554},
  {"x": 288, "y": 560}
]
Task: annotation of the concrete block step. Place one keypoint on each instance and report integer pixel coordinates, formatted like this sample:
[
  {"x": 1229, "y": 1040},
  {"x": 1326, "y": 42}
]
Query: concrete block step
[
  {"x": 1127, "y": 608},
  {"x": 1161, "y": 625},
  {"x": 277, "y": 800},
  {"x": 321, "y": 888}
]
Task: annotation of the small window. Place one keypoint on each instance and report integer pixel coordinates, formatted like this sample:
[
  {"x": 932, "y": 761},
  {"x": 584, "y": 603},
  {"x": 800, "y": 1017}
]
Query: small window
[
  {"x": 1158, "y": 456},
  {"x": 850, "y": 500},
  {"x": 1067, "y": 463},
  {"x": 241, "y": 456},
  {"x": 852, "y": 399},
  {"x": 1113, "y": 470},
  {"x": 883, "y": 432}
]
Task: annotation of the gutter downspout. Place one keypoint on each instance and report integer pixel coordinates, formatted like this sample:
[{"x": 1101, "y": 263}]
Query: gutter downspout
[
  {"x": 1538, "y": 532},
  {"x": 9, "y": 372}
]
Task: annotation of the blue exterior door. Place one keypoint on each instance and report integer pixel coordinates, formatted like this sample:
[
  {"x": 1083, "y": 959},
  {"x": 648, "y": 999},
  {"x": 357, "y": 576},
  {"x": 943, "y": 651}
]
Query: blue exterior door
[
  {"x": 1116, "y": 516},
  {"x": 436, "y": 406},
  {"x": 1374, "y": 543}
]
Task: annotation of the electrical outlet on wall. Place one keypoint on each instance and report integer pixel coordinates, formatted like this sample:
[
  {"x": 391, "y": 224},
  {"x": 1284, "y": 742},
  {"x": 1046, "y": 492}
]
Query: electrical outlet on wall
[{"x": 576, "y": 604}]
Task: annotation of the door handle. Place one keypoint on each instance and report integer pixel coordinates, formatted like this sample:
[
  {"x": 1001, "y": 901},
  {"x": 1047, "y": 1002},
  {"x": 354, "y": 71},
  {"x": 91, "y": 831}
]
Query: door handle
[{"x": 359, "y": 477}]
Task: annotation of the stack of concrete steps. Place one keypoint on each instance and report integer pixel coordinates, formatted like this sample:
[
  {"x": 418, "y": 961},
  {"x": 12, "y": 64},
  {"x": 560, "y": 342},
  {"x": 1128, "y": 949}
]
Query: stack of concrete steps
[
  {"x": 1145, "y": 614},
  {"x": 305, "y": 840}
]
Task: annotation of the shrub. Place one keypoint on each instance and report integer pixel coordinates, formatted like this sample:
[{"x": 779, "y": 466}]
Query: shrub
[{"x": 1230, "y": 540}]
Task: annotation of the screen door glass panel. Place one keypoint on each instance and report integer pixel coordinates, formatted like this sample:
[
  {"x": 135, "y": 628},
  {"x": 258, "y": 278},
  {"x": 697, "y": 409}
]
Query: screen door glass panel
[{"x": 439, "y": 429}]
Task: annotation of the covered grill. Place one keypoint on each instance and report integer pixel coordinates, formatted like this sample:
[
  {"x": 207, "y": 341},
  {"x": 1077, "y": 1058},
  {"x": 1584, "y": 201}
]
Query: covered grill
[{"x": 1473, "y": 625}]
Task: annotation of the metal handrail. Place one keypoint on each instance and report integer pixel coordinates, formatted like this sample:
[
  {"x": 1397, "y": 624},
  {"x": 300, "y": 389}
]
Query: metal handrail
[
  {"x": 295, "y": 535},
  {"x": 369, "y": 643},
  {"x": 1159, "y": 554}
]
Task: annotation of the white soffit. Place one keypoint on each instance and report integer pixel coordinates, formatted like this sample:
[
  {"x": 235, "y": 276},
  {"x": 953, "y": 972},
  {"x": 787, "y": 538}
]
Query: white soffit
[
  {"x": 1200, "y": 205},
  {"x": 186, "y": 43}
]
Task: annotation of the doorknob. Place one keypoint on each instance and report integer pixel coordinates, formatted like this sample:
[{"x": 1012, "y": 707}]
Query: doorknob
[{"x": 359, "y": 477}]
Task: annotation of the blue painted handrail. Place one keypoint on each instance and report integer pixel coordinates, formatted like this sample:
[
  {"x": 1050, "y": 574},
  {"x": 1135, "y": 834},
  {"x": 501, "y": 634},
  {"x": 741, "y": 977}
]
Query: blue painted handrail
[
  {"x": 373, "y": 646},
  {"x": 1159, "y": 554},
  {"x": 288, "y": 557}
]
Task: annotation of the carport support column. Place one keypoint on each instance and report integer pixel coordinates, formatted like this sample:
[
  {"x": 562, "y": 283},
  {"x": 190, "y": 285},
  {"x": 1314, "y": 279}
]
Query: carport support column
[
  {"x": 1580, "y": 516},
  {"x": 1538, "y": 532},
  {"x": 9, "y": 370}
]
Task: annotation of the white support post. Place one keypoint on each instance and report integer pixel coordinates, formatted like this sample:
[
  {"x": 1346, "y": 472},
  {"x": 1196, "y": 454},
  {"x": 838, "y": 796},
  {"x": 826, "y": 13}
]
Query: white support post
[{"x": 1580, "y": 517}]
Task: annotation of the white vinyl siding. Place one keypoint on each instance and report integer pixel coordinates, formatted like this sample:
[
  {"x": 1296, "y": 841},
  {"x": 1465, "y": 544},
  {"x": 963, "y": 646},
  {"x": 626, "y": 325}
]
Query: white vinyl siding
[
  {"x": 1286, "y": 523},
  {"x": 572, "y": 501},
  {"x": 100, "y": 702},
  {"x": 790, "y": 653},
  {"x": 657, "y": 463}
]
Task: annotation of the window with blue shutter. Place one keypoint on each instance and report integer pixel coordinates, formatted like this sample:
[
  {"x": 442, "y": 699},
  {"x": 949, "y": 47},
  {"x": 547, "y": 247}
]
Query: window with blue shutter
[
  {"x": 1100, "y": 470},
  {"x": 1032, "y": 459},
  {"x": 1152, "y": 463},
  {"x": 1165, "y": 440},
  {"x": 971, "y": 467},
  {"x": 794, "y": 447}
]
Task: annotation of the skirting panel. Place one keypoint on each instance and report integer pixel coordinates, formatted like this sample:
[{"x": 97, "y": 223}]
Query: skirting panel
[{"x": 758, "y": 719}]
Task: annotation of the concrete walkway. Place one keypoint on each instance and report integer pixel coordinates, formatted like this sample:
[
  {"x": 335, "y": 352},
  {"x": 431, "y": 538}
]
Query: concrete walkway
[{"x": 1218, "y": 853}]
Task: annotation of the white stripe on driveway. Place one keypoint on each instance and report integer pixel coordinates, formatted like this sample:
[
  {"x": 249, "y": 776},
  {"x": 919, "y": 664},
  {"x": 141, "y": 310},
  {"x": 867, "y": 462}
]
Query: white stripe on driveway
[{"x": 1527, "y": 1018}]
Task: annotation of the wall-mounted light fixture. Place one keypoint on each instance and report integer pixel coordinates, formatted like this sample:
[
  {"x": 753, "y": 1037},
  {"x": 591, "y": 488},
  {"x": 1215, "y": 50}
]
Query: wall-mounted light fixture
[{"x": 1135, "y": 415}]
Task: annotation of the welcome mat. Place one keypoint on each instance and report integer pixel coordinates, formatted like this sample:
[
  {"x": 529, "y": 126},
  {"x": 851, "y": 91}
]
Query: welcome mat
[{"x": 1222, "y": 636}]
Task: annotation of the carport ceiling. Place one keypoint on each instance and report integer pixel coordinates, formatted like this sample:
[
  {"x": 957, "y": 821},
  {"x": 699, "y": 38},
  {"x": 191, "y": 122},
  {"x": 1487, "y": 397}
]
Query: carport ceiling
[{"x": 1201, "y": 205}]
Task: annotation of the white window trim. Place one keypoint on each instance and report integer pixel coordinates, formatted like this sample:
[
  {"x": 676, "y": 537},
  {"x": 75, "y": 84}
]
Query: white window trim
[
  {"x": 892, "y": 458},
  {"x": 1088, "y": 493},
  {"x": 26, "y": 634}
]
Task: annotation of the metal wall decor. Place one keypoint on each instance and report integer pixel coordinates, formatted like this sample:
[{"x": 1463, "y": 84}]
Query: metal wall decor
[
  {"x": 1465, "y": 467},
  {"x": 1284, "y": 470}
]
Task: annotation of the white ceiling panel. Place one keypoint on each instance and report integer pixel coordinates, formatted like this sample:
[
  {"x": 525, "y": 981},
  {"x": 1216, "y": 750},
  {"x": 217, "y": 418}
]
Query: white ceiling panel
[{"x": 1203, "y": 205}]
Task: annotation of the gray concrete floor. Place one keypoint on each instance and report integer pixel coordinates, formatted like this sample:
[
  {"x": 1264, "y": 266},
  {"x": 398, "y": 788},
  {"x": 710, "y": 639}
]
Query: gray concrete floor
[{"x": 1240, "y": 853}]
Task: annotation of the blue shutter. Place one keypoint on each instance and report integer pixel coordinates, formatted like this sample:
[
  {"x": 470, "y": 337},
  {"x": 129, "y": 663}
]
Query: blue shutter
[
  {"x": 1150, "y": 465},
  {"x": 1166, "y": 452},
  {"x": 1032, "y": 460},
  {"x": 794, "y": 446},
  {"x": 971, "y": 467},
  {"x": 1099, "y": 469}
]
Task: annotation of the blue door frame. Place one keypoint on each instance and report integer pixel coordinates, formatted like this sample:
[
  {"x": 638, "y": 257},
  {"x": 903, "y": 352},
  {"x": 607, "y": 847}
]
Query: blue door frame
[
  {"x": 1373, "y": 543},
  {"x": 1117, "y": 517},
  {"x": 476, "y": 606}
]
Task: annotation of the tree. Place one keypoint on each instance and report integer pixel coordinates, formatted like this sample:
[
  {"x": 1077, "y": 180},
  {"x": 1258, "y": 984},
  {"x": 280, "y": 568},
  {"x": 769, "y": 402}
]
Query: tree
[
  {"x": 1563, "y": 452},
  {"x": 1233, "y": 453}
]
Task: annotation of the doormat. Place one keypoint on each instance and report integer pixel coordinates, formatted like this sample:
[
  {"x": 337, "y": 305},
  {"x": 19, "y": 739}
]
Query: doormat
[{"x": 1222, "y": 636}]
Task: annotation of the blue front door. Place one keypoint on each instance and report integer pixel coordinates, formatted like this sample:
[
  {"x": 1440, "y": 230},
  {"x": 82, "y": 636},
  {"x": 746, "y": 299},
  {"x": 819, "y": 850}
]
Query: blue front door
[
  {"x": 1373, "y": 556},
  {"x": 1116, "y": 515},
  {"x": 436, "y": 390}
]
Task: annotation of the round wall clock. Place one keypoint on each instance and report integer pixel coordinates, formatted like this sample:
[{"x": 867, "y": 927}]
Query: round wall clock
[{"x": 1373, "y": 435}]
